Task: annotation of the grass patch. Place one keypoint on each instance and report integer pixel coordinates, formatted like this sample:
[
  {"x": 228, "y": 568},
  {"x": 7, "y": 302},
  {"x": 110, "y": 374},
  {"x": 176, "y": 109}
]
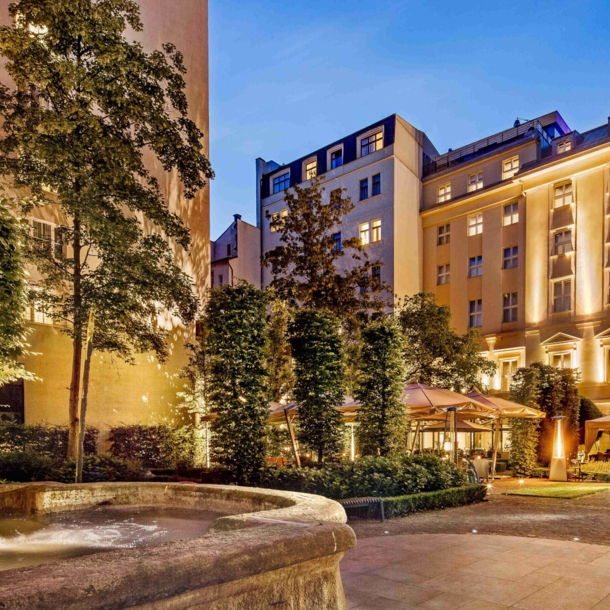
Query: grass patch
[{"x": 566, "y": 491}]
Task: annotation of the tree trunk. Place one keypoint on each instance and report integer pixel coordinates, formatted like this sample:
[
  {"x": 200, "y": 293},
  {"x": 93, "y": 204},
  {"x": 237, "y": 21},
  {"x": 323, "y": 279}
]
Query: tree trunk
[
  {"x": 83, "y": 405},
  {"x": 320, "y": 454}
]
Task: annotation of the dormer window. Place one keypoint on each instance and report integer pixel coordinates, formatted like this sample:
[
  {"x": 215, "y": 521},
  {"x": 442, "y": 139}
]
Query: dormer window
[
  {"x": 281, "y": 183},
  {"x": 311, "y": 169},
  {"x": 475, "y": 182},
  {"x": 336, "y": 158},
  {"x": 564, "y": 147},
  {"x": 371, "y": 143},
  {"x": 510, "y": 167}
]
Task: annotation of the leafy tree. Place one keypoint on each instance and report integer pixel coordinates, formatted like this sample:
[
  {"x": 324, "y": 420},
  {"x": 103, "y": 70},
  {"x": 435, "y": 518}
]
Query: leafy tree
[
  {"x": 13, "y": 295},
  {"x": 196, "y": 375},
  {"x": 281, "y": 377},
  {"x": 236, "y": 344},
  {"x": 319, "y": 367},
  {"x": 524, "y": 437},
  {"x": 379, "y": 389},
  {"x": 87, "y": 106},
  {"x": 306, "y": 266},
  {"x": 434, "y": 353},
  {"x": 588, "y": 410}
]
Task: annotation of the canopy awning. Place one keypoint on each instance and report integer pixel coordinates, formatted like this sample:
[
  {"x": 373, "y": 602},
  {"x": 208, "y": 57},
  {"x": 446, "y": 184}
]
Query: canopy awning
[
  {"x": 462, "y": 426},
  {"x": 507, "y": 408},
  {"x": 592, "y": 428}
]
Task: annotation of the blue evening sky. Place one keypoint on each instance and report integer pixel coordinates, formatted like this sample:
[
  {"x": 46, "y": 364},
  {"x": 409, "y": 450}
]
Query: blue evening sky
[{"x": 288, "y": 77}]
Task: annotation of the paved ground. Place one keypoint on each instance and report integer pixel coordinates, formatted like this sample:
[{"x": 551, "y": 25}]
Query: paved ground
[{"x": 435, "y": 561}]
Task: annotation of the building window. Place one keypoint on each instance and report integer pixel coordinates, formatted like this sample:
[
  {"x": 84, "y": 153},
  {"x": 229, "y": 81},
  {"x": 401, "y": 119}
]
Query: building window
[
  {"x": 511, "y": 257},
  {"x": 475, "y": 266},
  {"x": 511, "y": 214},
  {"x": 336, "y": 158},
  {"x": 443, "y": 235},
  {"x": 564, "y": 147},
  {"x": 281, "y": 183},
  {"x": 371, "y": 144},
  {"x": 220, "y": 280},
  {"x": 444, "y": 192},
  {"x": 508, "y": 368},
  {"x": 376, "y": 276},
  {"x": 510, "y": 167},
  {"x": 376, "y": 184},
  {"x": 444, "y": 275},
  {"x": 475, "y": 313},
  {"x": 273, "y": 222},
  {"x": 228, "y": 249},
  {"x": 376, "y": 232},
  {"x": 562, "y": 360},
  {"x": 48, "y": 238},
  {"x": 475, "y": 182},
  {"x": 562, "y": 296},
  {"x": 311, "y": 169},
  {"x": 509, "y": 307},
  {"x": 563, "y": 242},
  {"x": 365, "y": 236},
  {"x": 475, "y": 224},
  {"x": 364, "y": 189},
  {"x": 337, "y": 238},
  {"x": 37, "y": 314},
  {"x": 563, "y": 195}
]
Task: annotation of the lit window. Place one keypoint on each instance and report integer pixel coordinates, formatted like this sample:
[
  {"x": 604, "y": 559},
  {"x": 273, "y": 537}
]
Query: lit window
[
  {"x": 371, "y": 144},
  {"x": 562, "y": 296},
  {"x": 444, "y": 192},
  {"x": 511, "y": 257},
  {"x": 562, "y": 360},
  {"x": 37, "y": 314},
  {"x": 563, "y": 242},
  {"x": 475, "y": 313},
  {"x": 509, "y": 307},
  {"x": 510, "y": 167},
  {"x": 511, "y": 214},
  {"x": 337, "y": 238},
  {"x": 284, "y": 213},
  {"x": 311, "y": 169},
  {"x": 475, "y": 224},
  {"x": 364, "y": 189},
  {"x": 563, "y": 195},
  {"x": 475, "y": 266},
  {"x": 376, "y": 232},
  {"x": 336, "y": 158},
  {"x": 443, "y": 235},
  {"x": 274, "y": 222},
  {"x": 376, "y": 278},
  {"x": 48, "y": 238},
  {"x": 564, "y": 147},
  {"x": 281, "y": 183},
  {"x": 475, "y": 182},
  {"x": 444, "y": 275},
  {"x": 376, "y": 184},
  {"x": 365, "y": 236},
  {"x": 508, "y": 370}
]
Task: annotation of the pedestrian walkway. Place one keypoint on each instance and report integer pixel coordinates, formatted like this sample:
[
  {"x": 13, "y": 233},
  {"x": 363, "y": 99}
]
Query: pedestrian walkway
[{"x": 475, "y": 572}]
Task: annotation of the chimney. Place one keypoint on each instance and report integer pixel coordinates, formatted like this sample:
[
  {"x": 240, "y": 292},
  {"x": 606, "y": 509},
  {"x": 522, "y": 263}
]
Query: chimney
[{"x": 237, "y": 216}]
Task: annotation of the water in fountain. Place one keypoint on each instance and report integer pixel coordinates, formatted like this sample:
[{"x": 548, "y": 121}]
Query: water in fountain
[{"x": 29, "y": 541}]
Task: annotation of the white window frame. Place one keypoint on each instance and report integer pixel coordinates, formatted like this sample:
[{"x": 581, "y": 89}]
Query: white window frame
[
  {"x": 508, "y": 368},
  {"x": 511, "y": 307},
  {"x": 444, "y": 192},
  {"x": 563, "y": 246},
  {"x": 443, "y": 274},
  {"x": 37, "y": 316},
  {"x": 564, "y": 146},
  {"x": 563, "y": 356},
  {"x": 511, "y": 214},
  {"x": 58, "y": 248},
  {"x": 510, "y": 167},
  {"x": 475, "y": 181},
  {"x": 565, "y": 296},
  {"x": 510, "y": 257},
  {"x": 563, "y": 194},
  {"x": 475, "y": 224},
  {"x": 475, "y": 266},
  {"x": 365, "y": 233},
  {"x": 310, "y": 173},
  {"x": 443, "y": 234},
  {"x": 369, "y": 134},
  {"x": 475, "y": 316},
  {"x": 376, "y": 230},
  {"x": 330, "y": 152}
]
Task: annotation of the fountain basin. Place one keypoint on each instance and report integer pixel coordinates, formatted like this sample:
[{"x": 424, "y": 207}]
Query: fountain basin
[{"x": 270, "y": 549}]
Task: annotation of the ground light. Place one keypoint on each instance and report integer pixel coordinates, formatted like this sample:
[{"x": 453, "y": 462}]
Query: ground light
[{"x": 559, "y": 467}]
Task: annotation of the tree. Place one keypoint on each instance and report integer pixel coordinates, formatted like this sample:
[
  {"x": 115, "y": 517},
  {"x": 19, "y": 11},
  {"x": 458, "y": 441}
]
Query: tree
[
  {"x": 319, "y": 368},
  {"x": 379, "y": 389},
  {"x": 305, "y": 266},
  {"x": 236, "y": 344},
  {"x": 434, "y": 353},
  {"x": 13, "y": 295},
  {"x": 87, "y": 105},
  {"x": 281, "y": 377},
  {"x": 588, "y": 410}
]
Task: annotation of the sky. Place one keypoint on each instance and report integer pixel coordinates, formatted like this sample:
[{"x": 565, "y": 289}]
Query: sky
[{"x": 288, "y": 77}]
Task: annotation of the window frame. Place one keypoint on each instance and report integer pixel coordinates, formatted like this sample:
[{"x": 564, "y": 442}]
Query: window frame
[
  {"x": 443, "y": 234},
  {"x": 364, "y": 189},
  {"x": 476, "y": 227},
  {"x": 338, "y": 246},
  {"x": 562, "y": 298},
  {"x": 443, "y": 274},
  {"x": 510, "y": 257},
  {"x": 564, "y": 246},
  {"x": 512, "y": 307},
  {"x": 512, "y": 170},
  {"x": 477, "y": 185},
  {"x": 475, "y": 316},
  {"x": 475, "y": 265},
  {"x": 364, "y": 232},
  {"x": 506, "y": 379},
  {"x": 443, "y": 192},
  {"x": 510, "y": 214},
  {"x": 564, "y": 146},
  {"x": 564, "y": 195},
  {"x": 376, "y": 185},
  {"x": 379, "y": 137},
  {"x": 277, "y": 179},
  {"x": 273, "y": 216},
  {"x": 562, "y": 355},
  {"x": 376, "y": 230},
  {"x": 331, "y": 152},
  {"x": 376, "y": 276},
  {"x": 310, "y": 168}
]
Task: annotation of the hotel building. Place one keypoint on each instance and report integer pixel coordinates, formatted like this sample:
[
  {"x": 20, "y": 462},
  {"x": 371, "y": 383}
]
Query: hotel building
[{"x": 512, "y": 232}]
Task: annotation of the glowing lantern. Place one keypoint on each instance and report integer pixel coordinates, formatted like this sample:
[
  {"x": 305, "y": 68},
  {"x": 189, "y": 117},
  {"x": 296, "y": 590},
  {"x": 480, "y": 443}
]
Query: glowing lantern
[{"x": 559, "y": 466}]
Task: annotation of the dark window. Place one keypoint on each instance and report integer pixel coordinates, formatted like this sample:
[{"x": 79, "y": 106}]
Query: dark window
[
  {"x": 364, "y": 189},
  {"x": 475, "y": 313},
  {"x": 336, "y": 158},
  {"x": 281, "y": 183},
  {"x": 12, "y": 402},
  {"x": 228, "y": 249},
  {"x": 511, "y": 257},
  {"x": 220, "y": 280},
  {"x": 475, "y": 266},
  {"x": 443, "y": 235},
  {"x": 376, "y": 184},
  {"x": 376, "y": 276},
  {"x": 364, "y": 287},
  {"x": 509, "y": 307},
  {"x": 337, "y": 238}
]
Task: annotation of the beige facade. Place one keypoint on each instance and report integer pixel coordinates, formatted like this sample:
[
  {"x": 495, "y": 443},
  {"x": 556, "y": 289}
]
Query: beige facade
[{"x": 146, "y": 391}]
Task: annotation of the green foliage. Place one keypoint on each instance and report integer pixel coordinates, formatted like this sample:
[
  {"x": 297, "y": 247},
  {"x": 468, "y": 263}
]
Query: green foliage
[
  {"x": 588, "y": 410},
  {"x": 277, "y": 441},
  {"x": 319, "y": 367},
  {"x": 433, "y": 500},
  {"x": 304, "y": 266},
  {"x": 26, "y": 466},
  {"x": 100, "y": 468},
  {"x": 196, "y": 375},
  {"x": 281, "y": 377},
  {"x": 159, "y": 446},
  {"x": 47, "y": 441},
  {"x": 434, "y": 353},
  {"x": 371, "y": 476},
  {"x": 524, "y": 435},
  {"x": 379, "y": 389},
  {"x": 236, "y": 343},
  {"x": 13, "y": 295}
]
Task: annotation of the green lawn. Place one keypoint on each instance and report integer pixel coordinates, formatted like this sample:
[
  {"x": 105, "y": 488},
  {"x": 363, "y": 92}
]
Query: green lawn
[{"x": 561, "y": 490}]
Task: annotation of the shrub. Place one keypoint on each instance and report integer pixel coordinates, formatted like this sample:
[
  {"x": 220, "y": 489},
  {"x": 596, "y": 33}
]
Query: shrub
[
  {"x": 26, "y": 466},
  {"x": 101, "y": 468},
  {"x": 50, "y": 441}
]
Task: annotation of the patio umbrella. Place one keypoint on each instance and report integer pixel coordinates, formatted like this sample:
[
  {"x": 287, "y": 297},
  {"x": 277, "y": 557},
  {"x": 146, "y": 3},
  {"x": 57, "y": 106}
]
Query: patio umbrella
[
  {"x": 593, "y": 427},
  {"x": 505, "y": 409},
  {"x": 462, "y": 426}
]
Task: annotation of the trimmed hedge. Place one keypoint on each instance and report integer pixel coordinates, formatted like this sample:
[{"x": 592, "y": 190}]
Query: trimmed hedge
[{"x": 399, "y": 506}]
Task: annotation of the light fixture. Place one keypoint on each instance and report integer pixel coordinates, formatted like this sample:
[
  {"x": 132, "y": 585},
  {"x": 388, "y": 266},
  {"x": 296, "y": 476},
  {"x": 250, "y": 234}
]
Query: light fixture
[
  {"x": 559, "y": 466},
  {"x": 447, "y": 446},
  {"x": 521, "y": 482}
]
